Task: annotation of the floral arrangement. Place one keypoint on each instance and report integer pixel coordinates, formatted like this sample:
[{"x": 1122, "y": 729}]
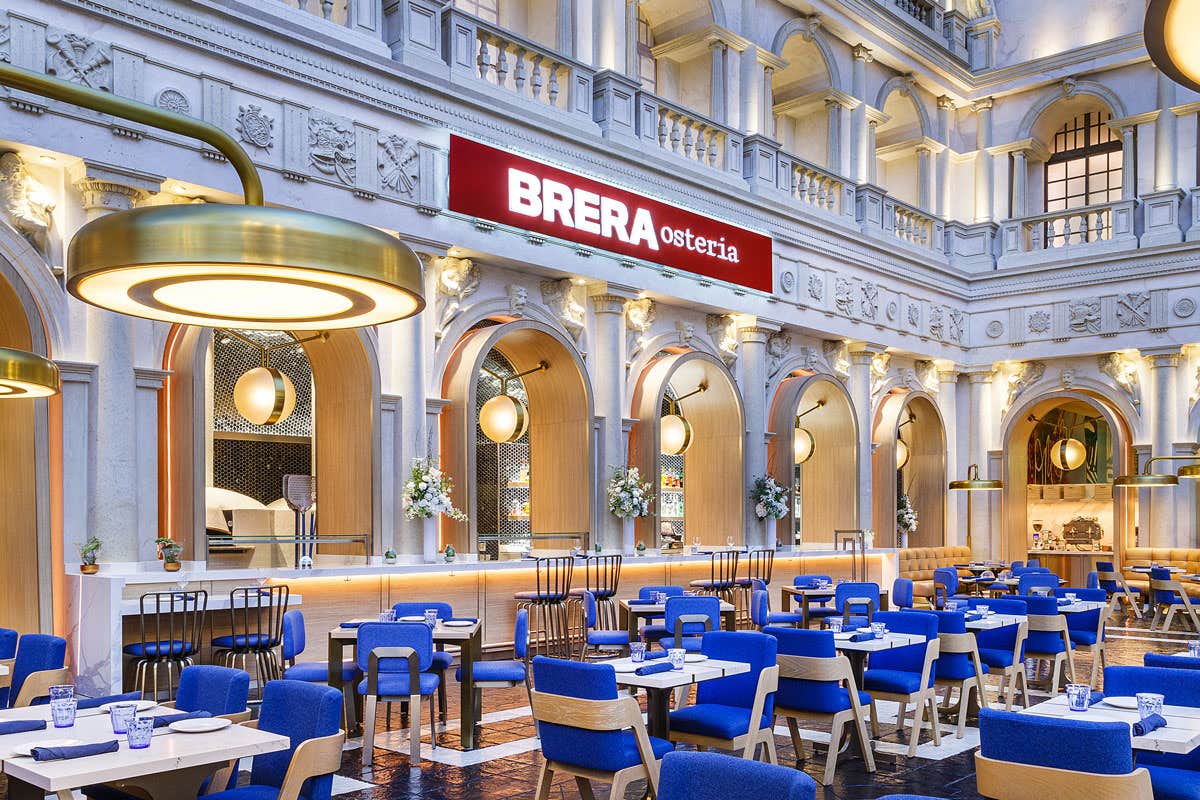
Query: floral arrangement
[
  {"x": 906, "y": 515},
  {"x": 770, "y": 499},
  {"x": 628, "y": 496},
  {"x": 427, "y": 493}
]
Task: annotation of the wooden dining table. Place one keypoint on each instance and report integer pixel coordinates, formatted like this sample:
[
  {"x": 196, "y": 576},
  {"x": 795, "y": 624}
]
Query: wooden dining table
[
  {"x": 175, "y": 765},
  {"x": 788, "y": 595},
  {"x": 469, "y": 640}
]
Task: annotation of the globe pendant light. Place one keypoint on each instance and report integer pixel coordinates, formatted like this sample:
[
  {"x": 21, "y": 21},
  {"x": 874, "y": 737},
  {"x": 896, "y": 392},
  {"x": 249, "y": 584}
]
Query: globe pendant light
[
  {"x": 505, "y": 418},
  {"x": 674, "y": 431},
  {"x": 803, "y": 445},
  {"x": 264, "y": 396},
  {"x": 24, "y": 375},
  {"x": 902, "y": 454},
  {"x": 1169, "y": 33},
  {"x": 1067, "y": 454},
  {"x": 246, "y": 266}
]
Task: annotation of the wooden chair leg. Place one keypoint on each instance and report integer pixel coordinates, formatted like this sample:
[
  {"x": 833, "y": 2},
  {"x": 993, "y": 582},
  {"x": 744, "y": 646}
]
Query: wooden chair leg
[
  {"x": 369, "y": 729},
  {"x": 874, "y": 720},
  {"x": 933, "y": 724},
  {"x": 797, "y": 741},
  {"x": 585, "y": 788},
  {"x": 865, "y": 745},
  {"x": 433, "y": 722},
  {"x": 545, "y": 781},
  {"x": 835, "y": 741},
  {"x": 964, "y": 700},
  {"x": 1024, "y": 680},
  {"x": 918, "y": 720},
  {"x": 769, "y": 740}
]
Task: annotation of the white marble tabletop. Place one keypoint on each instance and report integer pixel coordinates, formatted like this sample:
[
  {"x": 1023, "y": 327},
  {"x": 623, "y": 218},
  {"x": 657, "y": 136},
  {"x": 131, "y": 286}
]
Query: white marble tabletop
[
  {"x": 888, "y": 642},
  {"x": 698, "y": 672},
  {"x": 657, "y": 609},
  {"x": 441, "y": 633},
  {"x": 1181, "y": 735},
  {"x": 992, "y": 621}
]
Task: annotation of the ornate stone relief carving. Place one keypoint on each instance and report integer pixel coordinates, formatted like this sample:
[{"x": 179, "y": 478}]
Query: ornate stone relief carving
[
  {"x": 1124, "y": 372},
  {"x": 1084, "y": 315},
  {"x": 171, "y": 99},
  {"x": 687, "y": 332},
  {"x": 893, "y": 309},
  {"x": 1025, "y": 375},
  {"x": 837, "y": 354},
  {"x": 994, "y": 329},
  {"x": 639, "y": 317},
  {"x": 256, "y": 128},
  {"x": 518, "y": 297},
  {"x": 814, "y": 361},
  {"x": 779, "y": 344},
  {"x": 722, "y": 329},
  {"x": 1039, "y": 321},
  {"x": 842, "y": 298},
  {"x": 25, "y": 206},
  {"x": 937, "y": 322},
  {"x": 399, "y": 165},
  {"x": 870, "y": 301},
  {"x": 927, "y": 375},
  {"x": 79, "y": 59},
  {"x": 957, "y": 325},
  {"x": 1184, "y": 307},
  {"x": 5, "y": 43},
  {"x": 457, "y": 279},
  {"x": 1133, "y": 309},
  {"x": 565, "y": 299},
  {"x": 331, "y": 146},
  {"x": 1067, "y": 377},
  {"x": 816, "y": 287},
  {"x": 787, "y": 281},
  {"x": 914, "y": 315}
]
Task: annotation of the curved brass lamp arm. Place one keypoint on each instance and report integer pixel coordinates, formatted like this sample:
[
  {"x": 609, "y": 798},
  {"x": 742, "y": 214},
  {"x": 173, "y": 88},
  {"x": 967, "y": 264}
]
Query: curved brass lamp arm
[
  {"x": 107, "y": 103},
  {"x": 1146, "y": 467}
]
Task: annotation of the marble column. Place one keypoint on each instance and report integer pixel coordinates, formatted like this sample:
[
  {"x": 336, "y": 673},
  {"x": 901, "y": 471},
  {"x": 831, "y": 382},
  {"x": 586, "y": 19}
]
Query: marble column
[
  {"x": 753, "y": 348},
  {"x": 945, "y": 116},
  {"x": 402, "y": 363},
  {"x": 717, "y": 51},
  {"x": 1164, "y": 137},
  {"x": 861, "y": 156},
  {"x": 768, "y": 102},
  {"x": 1164, "y": 416},
  {"x": 859, "y": 385},
  {"x": 606, "y": 362},
  {"x": 1020, "y": 168},
  {"x": 1128, "y": 159},
  {"x": 924, "y": 178},
  {"x": 609, "y": 34},
  {"x": 872, "y": 161},
  {"x": 835, "y": 113},
  {"x": 947, "y": 402},
  {"x": 984, "y": 168},
  {"x": 985, "y": 539}
]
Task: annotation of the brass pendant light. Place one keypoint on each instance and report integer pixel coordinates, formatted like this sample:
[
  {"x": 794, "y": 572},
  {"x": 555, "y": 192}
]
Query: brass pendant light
[
  {"x": 264, "y": 395},
  {"x": 1067, "y": 454},
  {"x": 974, "y": 483},
  {"x": 674, "y": 431},
  {"x": 24, "y": 375},
  {"x": 245, "y": 266},
  {"x": 505, "y": 418},
  {"x": 1154, "y": 480},
  {"x": 1170, "y": 32},
  {"x": 803, "y": 443}
]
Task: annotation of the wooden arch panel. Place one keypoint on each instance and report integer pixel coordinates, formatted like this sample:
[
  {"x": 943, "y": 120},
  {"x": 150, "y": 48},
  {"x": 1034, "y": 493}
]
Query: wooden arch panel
[
  {"x": 713, "y": 486},
  {"x": 924, "y": 476}
]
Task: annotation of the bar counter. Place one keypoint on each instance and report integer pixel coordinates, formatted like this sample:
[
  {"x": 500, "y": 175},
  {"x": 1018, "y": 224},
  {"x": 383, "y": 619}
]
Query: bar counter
[{"x": 102, "y": 608}]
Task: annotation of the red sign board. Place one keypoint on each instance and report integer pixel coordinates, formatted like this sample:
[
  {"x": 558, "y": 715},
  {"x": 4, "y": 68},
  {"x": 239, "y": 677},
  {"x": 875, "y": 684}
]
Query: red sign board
[{"x": 501, "y": 187}]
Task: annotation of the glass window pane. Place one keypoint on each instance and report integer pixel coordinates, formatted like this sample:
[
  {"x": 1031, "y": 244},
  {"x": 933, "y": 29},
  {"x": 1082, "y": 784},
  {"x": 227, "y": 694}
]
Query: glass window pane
[
  {"x": 1097, "y": 163},
  {"x": 1097, "y": 183},
  {"x": 1056, "y": 172},
  {"x": 1075, "y": 186},
  {"x": 1115, "y": 159},
  {"x": 1114, "y": 179},
  {"x": 1075, "y": 168},
  {"x": 1056, "y": 205}
]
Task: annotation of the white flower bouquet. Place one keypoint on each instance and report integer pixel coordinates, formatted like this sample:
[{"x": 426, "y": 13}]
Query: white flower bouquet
[
  {"x": 628, "y": 496},
  {"x": 427, "y": 493},
  {"x": 770, "y": 499},
  {"x": 906, "y": 515}
]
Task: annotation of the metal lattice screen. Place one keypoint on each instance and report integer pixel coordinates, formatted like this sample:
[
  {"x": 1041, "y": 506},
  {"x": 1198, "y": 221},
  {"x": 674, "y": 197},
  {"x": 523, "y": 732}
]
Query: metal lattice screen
[
  {"x": 501, "y": 499},
  {"x": 670, "y": 498}
]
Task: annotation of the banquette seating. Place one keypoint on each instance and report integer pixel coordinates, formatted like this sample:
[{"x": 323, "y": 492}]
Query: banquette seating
[
  {"x": 1185, "y": 558},
  {"x": 918, "y": 563}
]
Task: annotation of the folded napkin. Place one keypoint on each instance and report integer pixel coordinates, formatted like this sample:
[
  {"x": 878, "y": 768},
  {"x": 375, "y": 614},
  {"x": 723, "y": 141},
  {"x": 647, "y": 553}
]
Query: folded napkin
[
  {"x": 640, "y": 602},
  {"x": 1149, "y": 724},
  {"x": 862, "y": 636},
  {"x": 656, "y": 654},
  {"x": 167, "y": 719},
  {"x": 351, "y": 624},
  {"x": 1062, "y": 601},
  {"x": 971, "y": 616},
  {"x": 22, "y": 726},
  {"x": 1095, "y": 697},
  {"x": 75, "y": 751},
  {"x": 651, "y": 669}
]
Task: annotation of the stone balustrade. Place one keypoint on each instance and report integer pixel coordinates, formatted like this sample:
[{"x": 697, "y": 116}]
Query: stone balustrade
[
  {"x": 689, "y": 135},
  {"x": 1094, "y": 228},
  {"x": 913, "y": 226}
]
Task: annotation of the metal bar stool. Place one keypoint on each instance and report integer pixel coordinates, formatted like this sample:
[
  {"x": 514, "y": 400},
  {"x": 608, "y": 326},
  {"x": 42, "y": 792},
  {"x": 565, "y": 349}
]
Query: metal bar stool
[
  {"x": 170, "y": 624},
  {"x": 759, "y": 565},
  {"x": 722, "y": 580},
  {"x": 601, "y": 576},
  {"x": 550, "y": 631},
  {"x": 256, "y": 614}
]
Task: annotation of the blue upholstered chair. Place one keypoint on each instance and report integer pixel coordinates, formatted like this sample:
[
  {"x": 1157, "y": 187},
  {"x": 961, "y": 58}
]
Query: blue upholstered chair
[
  {"x": 1118, "y": 589},
  {"x": 589, "y": 729},
  {"x": 1027, "y": 583},
  {"x": 395, "y": 657},
  {"x": 1034, "y": 563},
  {"x": 39, "y": 664},
  {"x": 945, "y": 586},
  {"x": 1170, "y": 662},
  {"x": 442, "y": 660},
  {"x": 600, "y": 641},
  {"x": 1002, "y": 650},
  {"x": 713, "y": 776},
  {"x": 309, "y": 715},
  {"x": 1016, "y": 565},
  {"x": 761, "y": 614},
  {"x": 688, "y": 618},
  {"x": 293, "y": 646},
  {"x": 1168, "y": 596},
  {"x": 1064, "y": 758},
  {"x": 817, "y": 683},
  {"x": 958, "y": 664},
  {"x": 856, "y": 603},
  {"x": 1174, "y": 776},
  {"x": 1086, "y": 628},
  {"x": 655, "y": 629},
  {"x": 1093, "y": 580},
  {"x": 906, "y": 674},
  {"x": 1030, "y": 570},
  {"x": 504, "y": 674},
  {"x": 1049, "y": 639},
  {"x": 902, "y": 593},
  {"x": 8, "y": 652},
  {"x": 817, "y": 606},
  {"x": 735, "y": 712}
]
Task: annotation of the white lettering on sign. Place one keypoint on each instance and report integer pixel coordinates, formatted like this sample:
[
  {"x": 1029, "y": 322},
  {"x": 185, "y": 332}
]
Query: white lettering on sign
[{"x": 608, "y": 217}]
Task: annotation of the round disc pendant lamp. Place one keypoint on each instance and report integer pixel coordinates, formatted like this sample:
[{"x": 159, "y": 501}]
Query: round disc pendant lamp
[
  {"x": 24, "y": 375},
  {"x": 264, "y": 396},
  {"x": 1067, "y": 454},
  {"x": 902, "y": 453},
  {"x": 1170, "y": 33}
]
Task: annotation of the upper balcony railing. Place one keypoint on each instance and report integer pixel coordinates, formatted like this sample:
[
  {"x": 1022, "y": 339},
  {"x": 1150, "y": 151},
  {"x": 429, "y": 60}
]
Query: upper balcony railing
[
  {"x": 923, "y": 11},
  {"x": 687, "y": 134},
  {"x": 818, "y": 188},
  {"x": 1095, "y": 227},
  {"x": 912, "y": 225}
]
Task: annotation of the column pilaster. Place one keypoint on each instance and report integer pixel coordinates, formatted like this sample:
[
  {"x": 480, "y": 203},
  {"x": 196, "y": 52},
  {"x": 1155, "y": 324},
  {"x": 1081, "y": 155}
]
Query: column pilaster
[
  {"x": 859, "y": 163},
  {"x": 985, "y": 517},
  {"x": 984, "y": 168},
  {"x": 942, "y": 178},
  {"x": 1164, "y": 413},
  {"x": 859, "y": 386},
  {"x": 947, "y": 402},
  {"x": 1164, "y": 137},
  {"x": 606, "y": 362},
  {"x": 753, "y": 348}
]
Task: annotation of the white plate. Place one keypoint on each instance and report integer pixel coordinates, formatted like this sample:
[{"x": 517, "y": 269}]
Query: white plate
[
  {"x": 458, "y": 623},
  {"x": 200, "y": 725},
  {"x": 26, "y": 749},
  {"x": 142, "y": 705},
  {"x": 844, "y": 635},
  {"x": 1128, "y": 703},
  {"x": 694, "y": 658},
  {"x": 626, "y": 667},
  {"x": 410, "y": 619}
]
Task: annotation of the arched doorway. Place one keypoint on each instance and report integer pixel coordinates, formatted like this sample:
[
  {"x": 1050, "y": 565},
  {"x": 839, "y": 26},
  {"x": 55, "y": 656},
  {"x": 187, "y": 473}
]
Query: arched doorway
[
  {"x": 1043, "y": 497},
  {"x": 700, "y": 491},
  {"x": 540, "y": 484},
  {"x": 910, "y": 459},
  {"x": 344, "y": 447},
  {"x": 825, "y": 485}
]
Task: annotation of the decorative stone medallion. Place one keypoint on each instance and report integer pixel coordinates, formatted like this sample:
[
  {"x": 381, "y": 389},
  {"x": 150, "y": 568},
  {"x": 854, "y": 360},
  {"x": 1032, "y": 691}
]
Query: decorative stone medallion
[
  {"x": 255, "y": 128},
  {"x": 171, "y": 99},
  {"x": 1184, "y": 307},
  {"x": 994, "y": 329}
]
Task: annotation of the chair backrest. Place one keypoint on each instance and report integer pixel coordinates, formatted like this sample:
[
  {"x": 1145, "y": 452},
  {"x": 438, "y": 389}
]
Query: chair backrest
[
  {"x": 8, "y": 643},
  {"x": 416, "y": 635},
  {"x": 554, "y": 577},
  {"x": 521, "y": 634},
  {"x": 804, "y": 693},
  {"x": 852, "y": 591},
  {"x": 1085, "y": 620},
  {"x": 176, "y": 617},
  {"x": 954, "y": 643},
  {"x": 293, "y": 635},
  {"x": 722, "y": 567},
  {"x": 1179, "y": 687},
  {"x": 760, "y": 564},
  {"x": 1027, "y": 582},
  {"x": 902, "y": 593},
  {"x": 1164, "y": 589},
  {"x": 708, "y": 776},
  {"x": 948, "y": 577},
  {"x": 1093, "y": 580},
  {"x": 911, "y": 658},
  {"x": 810, "y": 581},
  {"x": 1034, "y": 562},
  {"x": 36, "y": 652},
  {"x": 257, "y": 613},
  {"x": 1016, "y": 565},
  {"x": 417, "y": 609},
  {"x": 579, "y": 746},
  {"x": 300, "y": 711},
  {"x": 1047, "y": 627},
  {"x": 1019, "y": 571},
  {"x": 602, "y": 574},
  {"x": 1170, "y": 662},
  {"x": 217, "y": 690},
  {"x": 647, "y": 592},
  {"x": 760, "y": 608},
  {"x": 692, "y": 606},
  {"x": 756, "y": 649},
  {"x": 1003, "y": 638},
  {"x": 589, "y": 609}
]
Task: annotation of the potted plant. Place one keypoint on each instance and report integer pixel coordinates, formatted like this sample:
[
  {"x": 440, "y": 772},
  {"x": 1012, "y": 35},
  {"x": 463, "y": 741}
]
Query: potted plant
[
  {"x": 426, "y": 497},
  {"x": 449, "y": 553},
  {"x": 770, "y": 503},
  {"x": 87, "y": 556},
  {"x": 906, "y": 519},
  {"x": 170, "y": 555},
  {"x": 628, "y": 498},
  {"x": 389, "y": 556},
  {"x": 641, "y": 548},
  {"x": 160, "y": 543}
]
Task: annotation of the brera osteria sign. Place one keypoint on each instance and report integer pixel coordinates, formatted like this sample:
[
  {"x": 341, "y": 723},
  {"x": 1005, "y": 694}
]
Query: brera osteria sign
[{"x": 498, "y": 186}]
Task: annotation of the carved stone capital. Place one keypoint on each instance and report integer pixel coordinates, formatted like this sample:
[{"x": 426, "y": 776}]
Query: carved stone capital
[
  {"x": 861, "y": 52},
  {"x": 982, "y": 105},
  {"x": 608, "y": 303},
  {"x": 102, "y": 195}
]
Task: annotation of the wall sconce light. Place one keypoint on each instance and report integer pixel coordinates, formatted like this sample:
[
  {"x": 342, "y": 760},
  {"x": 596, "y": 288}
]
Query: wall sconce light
[
  {"x": 674, "y": 431},
  {"x": 505, "y": 418}
]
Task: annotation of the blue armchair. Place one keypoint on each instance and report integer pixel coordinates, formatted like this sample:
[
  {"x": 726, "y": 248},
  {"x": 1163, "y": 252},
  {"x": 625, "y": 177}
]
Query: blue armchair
[
  {"x": 442, "y": 661},
  {"x": 902, "y": 593},
  {"x": 1086, "y": 628},
  {"x": 906, "y": 674},
  {"x": 945, "y": 586},
  {"x": 1174, "y": 776},
  {"x": 507, "y": 673},
  {"x": 1027, "y": 583},
  {"x": 761, "y": 614},
  {"x": 856, "y": 603},
  {"x": 600, "y": 640},
  {"x": 735, "y": 712},
  {"x": 655, "y": 629},
  {"x": 688, "y": 618},
  {"x": 818, "y": 606},
  {"x": 1002, "y": 650},
  {"x": 958, "y": 664},
  {"x": 1170, "y": 662},
  {"x": 38, "y": 666},
  {"x": 590, "y": 730},
  {"x": 1116, "y": 587},
  {"x": 395, "y": 657},
  {"x": 1049, "y": 639},
  {"x": 293, "y": 645},
  {"x": 1168, "y": 596},
  {"x": 713, "y": 776}
]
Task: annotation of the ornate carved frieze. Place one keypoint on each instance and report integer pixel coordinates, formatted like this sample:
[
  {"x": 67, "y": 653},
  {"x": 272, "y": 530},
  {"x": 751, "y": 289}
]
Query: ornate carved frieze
[
  {"x": 26, "y": 208},
  {"x": 779, "y": 344},
  {"x": 816, "y": 286},
  {"x": 1025, "y": 375},
  {"x": 722, "y": 329},
  {"x": 331, "y": 148},
  {"x": 1083, "y": 315},
  {"x": 956, "y": 325},
  {"x": 814, "y": 360},
  {"x": 880, "y": 365},
  {"x": 457, "y": 279},
  {"x": 870, "y": 301},
  {"x": 994, "y": 329},
  {"x": 927, "y": 376},
  {"x": 255, "y": 128},
  {"x": 837, "y": 355},
  {"x": 843, "y": 297},
  {"x": 1039, "y": 321},
  {"x": 5, "y": 43},
  {"x": 399, "y": 165},
  {"x": 1124, "y": 373},
  {"x": 518, "y": 298},
  {"x": 937, "y": 322},
  {"x": 78, "y": 59},
  {"x": 1133, "y": 309}
]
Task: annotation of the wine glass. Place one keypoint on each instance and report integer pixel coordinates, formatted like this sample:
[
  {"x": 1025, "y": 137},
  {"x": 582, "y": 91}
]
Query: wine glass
[{"x": 729, "y": 542}]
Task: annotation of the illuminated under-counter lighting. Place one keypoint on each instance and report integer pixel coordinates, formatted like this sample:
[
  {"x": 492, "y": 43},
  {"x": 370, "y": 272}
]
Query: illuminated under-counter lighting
[
  {"x": 1169, "y": 33},
  {"x": 505, "y": 418},
  {"x": 24, "y": 375},
  {"x": 674, "y": 431},
  {"x": 1067, "y": 454}
]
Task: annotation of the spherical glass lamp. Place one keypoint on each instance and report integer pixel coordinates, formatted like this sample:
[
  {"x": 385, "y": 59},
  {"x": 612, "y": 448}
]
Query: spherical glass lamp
[
  {"x": 803, "y": 445},
  {"x": 674, "y": 434},
  {"x": 902, "y": 454},
  {"x": 504, "y": 418},
  {"x": 264, "y": 396},
  {"x": 1067, "y": 454}
]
